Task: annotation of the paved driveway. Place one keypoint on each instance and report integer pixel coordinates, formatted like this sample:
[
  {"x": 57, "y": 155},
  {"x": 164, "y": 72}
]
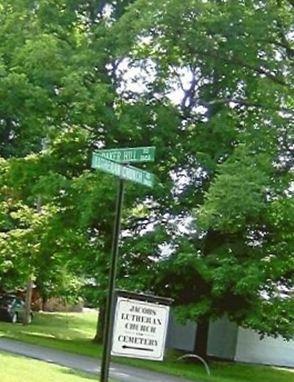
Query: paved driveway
[{"x": 119, "y": 373}]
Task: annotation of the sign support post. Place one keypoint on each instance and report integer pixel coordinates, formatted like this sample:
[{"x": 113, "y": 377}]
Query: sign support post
[
  {"x": 108, "y": 323},
  {"x": 116, "y": 162}
]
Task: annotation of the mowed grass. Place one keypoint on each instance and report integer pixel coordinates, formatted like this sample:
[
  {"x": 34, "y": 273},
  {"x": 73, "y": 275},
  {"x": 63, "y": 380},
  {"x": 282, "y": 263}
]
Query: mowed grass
[
  {"x": 71, "y": 332},
  {"x": 74, "y": 332},
  {"x": 20, "y": 369},
  {"x": 220, "y": 371}
]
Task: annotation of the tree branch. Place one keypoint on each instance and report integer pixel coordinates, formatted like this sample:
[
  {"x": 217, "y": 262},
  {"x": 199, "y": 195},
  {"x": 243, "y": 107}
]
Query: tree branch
[
  {"x": 237, "y": 60},
  {"x": 243, "y": 102}
]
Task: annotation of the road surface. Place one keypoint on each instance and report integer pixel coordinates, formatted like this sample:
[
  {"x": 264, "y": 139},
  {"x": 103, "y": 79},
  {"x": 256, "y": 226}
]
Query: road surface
[{"x": 120, "y": 373}]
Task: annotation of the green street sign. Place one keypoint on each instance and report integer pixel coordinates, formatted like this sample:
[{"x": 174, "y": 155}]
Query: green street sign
[
  {"x": 106, "y": 165},
  {"x": 137, "y": 175},
  {"x": 125, "y": 172},
  {"x": 128, "y": 155}
]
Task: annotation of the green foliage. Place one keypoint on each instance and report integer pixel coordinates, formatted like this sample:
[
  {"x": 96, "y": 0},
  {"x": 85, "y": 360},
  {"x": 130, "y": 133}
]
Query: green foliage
[
  {"x": 238, "y": 193},
  {"x": 216, "y": 101},
  {"x": 232, "y": 155}
]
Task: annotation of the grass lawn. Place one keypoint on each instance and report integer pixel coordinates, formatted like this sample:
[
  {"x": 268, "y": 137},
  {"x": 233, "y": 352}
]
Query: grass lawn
[
  {"x": 20, "y": 369},
  {"x": 73, "y": 332}
]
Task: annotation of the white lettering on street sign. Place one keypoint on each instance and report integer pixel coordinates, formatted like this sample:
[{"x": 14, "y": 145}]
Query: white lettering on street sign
[
  {"x": 106, "y": 165},
  {"x": 128, "y": 155},
  {"x": 137, "y": 175},
  {"x": 125, "y": 172},
  {"x": 139, "y": 329}
]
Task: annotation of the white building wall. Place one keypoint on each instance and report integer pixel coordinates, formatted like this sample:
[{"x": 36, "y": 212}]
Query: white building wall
[
  {"x": 222, "y": 338},
  {"x": 269, "y": 350},
  {"x": 181, "y": 336}
]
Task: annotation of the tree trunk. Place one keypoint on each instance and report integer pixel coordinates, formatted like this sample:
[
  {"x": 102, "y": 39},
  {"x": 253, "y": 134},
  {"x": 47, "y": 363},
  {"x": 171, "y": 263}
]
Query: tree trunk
[
  {"x": 100, "y": 323},
  {"x": 28, "y": 300},
  {"x": 44, "y": 302},
  {"x": 200, "y": 346}
]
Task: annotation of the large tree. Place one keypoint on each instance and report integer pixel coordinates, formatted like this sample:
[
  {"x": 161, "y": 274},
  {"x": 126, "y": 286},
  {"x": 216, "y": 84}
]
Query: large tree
[
  {"x": 61, "y": 100},
  {"x": 227, "y": 68},
  {"x": 53, "y": 99},
  {"x": 209, "y": 84}
]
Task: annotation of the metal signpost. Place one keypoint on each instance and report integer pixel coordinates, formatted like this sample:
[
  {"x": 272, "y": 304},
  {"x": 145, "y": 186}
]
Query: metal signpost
[{"x": 115, "y": 161}]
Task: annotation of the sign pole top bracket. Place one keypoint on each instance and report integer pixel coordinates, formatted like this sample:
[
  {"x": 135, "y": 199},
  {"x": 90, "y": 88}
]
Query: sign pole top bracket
[{"x": 144, "y": 297}]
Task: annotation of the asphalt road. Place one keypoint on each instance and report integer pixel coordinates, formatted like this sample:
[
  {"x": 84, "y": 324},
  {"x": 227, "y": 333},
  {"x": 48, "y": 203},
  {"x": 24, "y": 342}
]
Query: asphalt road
[{"x": 119, "y": 373}]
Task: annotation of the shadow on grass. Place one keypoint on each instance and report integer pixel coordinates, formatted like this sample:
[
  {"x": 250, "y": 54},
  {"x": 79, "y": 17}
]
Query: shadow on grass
[
  {"x": 52, "y": 327},
  {"x": 81, "y": 374}
]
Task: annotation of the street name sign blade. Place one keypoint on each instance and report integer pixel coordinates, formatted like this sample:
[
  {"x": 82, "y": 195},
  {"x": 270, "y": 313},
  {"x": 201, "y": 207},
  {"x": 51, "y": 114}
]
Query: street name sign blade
[
  {"x": 140, "y": 329},
  {"x": 125, "y": 172},
  {"x": 129, "y": 155},
  {"x": 106, "y": 165},
  {"x": 137, "y": 175}
]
